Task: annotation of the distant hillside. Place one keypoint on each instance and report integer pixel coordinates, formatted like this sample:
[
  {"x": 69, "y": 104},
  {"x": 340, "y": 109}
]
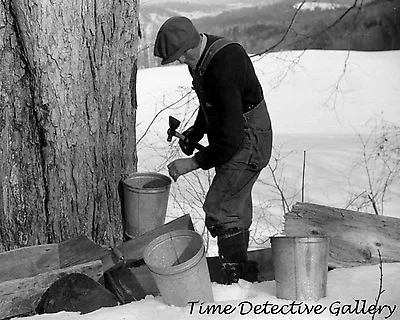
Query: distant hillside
[
  {"x": 373, "y": 26},
  {"x": 152, "y": 16},
  {"x": 207, "y": 2}
]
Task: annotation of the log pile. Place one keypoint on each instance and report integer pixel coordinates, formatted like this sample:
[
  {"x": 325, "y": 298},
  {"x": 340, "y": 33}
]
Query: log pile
[
  {"x": 31, "y": 277},
  {"x": 26, "y": 274}
]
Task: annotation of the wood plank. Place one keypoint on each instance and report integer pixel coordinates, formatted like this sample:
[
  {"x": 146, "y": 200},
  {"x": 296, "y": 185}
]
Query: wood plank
[
  {"x": 132, "y": 250},
  {"x": 21, "y": 296},
  {"x": 79, "y": 250},
  {"x": 28, "y": 261},
  {"x": 355, "y": 237}
]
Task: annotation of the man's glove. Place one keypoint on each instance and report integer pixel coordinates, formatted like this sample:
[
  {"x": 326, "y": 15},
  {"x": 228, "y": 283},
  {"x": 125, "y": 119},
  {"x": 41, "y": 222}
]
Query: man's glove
[{"x": 188, "y": 144}]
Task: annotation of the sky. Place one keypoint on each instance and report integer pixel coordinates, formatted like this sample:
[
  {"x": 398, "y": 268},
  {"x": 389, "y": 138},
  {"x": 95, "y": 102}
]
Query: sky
[{"x": 314, "y": 105}]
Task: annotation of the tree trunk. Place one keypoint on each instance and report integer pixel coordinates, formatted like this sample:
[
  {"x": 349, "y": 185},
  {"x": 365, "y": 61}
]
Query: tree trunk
[{"x": 67, "y": 118}]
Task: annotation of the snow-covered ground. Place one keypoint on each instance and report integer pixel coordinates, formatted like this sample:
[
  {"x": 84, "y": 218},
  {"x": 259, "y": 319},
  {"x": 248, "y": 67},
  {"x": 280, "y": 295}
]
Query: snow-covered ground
[
  {"x": 351, "y": 295},
  {"x": 321, "y": 102}
]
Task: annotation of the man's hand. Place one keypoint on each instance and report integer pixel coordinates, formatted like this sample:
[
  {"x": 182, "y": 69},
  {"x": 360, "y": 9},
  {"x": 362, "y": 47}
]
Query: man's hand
[
  {"x": 180, "y": 167},
  {"x": 187, "y": 145}
]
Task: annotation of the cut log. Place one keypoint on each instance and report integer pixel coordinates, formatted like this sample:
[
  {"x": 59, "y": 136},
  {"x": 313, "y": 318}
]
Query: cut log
[
  {"x": 21, "y": 296},
  {"x": 75, "y": 292},
  {"x": 132, "y": 250},
  {"x": 26, "y": 273},
  {"x": 354, "y": 237}
]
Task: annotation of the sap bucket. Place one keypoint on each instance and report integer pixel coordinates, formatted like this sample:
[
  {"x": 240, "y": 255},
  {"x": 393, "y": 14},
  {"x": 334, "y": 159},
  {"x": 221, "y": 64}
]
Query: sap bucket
[
  {"x": 300, "y": 267},
  {"x": 145, "y": 199},
  {"x": 177, "y": 261}
]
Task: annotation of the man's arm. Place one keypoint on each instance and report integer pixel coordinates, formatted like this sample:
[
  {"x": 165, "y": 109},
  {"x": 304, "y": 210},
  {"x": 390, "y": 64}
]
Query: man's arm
[{"x": 224, "y": 83}]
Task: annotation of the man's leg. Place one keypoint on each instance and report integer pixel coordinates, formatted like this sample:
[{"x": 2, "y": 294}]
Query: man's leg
[
  {"x": 229, "y": 210},
  {"x": 232, "y": 250}
]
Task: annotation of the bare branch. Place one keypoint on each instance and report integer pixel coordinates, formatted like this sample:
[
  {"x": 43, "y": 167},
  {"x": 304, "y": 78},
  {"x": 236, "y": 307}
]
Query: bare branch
[
  {"x": 371, "y": 198},
  {"x": 336, "y": 91},
  {"x": 315, "y": 35},
  {"x": 381, "y": 291},
  {"x": 284, "y": 36},
  {"x": 303, "y": 176},
  {"x": 160, "y": 112}
]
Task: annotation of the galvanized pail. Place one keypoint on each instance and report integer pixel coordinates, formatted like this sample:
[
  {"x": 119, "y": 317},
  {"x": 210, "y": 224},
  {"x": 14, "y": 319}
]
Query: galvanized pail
[
  {"x": 300, "y": 267},
  {"x": 177, "y": 261},
  {"x": 145, "y": 200}
]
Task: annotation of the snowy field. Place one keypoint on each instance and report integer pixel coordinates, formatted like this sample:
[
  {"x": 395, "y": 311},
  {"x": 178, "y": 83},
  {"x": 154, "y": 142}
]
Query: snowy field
[{"x": 328, "y": 104}]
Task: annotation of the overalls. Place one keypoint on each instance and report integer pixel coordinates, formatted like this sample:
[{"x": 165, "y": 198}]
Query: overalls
[{"x": 228, "y": 203}]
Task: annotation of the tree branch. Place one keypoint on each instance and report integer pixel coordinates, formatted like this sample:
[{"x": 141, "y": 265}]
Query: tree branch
[
  {"x": 160, "y": 112},
  {"x": 381, "y": 291},
  {"x": 284, "y": 36}
]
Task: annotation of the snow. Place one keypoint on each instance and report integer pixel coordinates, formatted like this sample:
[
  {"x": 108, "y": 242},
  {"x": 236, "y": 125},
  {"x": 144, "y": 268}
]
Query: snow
[
  {"x": 311, "y": 6},
  {"x": 351, "y": 294},
  {"x": 320, "y": 101}
]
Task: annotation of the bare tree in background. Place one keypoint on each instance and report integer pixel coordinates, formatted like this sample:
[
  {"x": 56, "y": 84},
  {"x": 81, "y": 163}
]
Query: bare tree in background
[{"x": 381, "y": 166}]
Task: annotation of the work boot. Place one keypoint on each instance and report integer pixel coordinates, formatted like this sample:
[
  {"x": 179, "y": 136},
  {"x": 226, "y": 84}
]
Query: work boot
[
  {"x": 232, "y": 249},
  {"x": 250, "y": 271},
  {"x": 231, "y": 272}
]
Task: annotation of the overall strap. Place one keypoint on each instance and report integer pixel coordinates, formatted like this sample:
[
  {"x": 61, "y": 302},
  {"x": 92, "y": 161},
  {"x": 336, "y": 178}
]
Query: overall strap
[{"x": 211, "y": 51}]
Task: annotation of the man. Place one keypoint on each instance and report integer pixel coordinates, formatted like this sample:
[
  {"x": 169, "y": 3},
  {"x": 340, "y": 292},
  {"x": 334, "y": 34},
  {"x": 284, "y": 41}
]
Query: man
[{"x": 234, "y": 116}]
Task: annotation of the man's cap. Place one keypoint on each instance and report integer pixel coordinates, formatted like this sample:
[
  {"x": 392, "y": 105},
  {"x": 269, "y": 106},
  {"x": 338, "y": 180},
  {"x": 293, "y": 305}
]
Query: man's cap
[{"x": 175, "y": 36}]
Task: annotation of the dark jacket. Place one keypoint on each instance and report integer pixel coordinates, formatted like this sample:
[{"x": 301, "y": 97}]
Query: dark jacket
[{"x": 228, "y": 85}]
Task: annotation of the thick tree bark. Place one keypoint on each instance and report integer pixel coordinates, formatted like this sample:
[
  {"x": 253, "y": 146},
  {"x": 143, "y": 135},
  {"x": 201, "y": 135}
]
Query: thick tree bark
[{"x": 67, "y": 118}]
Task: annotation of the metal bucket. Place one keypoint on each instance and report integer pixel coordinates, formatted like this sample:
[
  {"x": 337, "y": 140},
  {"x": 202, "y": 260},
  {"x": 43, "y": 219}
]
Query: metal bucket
[
  {"x": 300, "y": 267},
  {"x": 145, "y": 202},
  {"x": 177, "y": 261}
]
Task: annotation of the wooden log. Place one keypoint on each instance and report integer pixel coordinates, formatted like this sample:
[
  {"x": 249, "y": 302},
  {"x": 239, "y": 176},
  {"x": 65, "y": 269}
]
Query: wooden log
[
  {"x": 21, "y": 296},
  {"x": 26, "y": 273},
  {"x": 75, "y": 292},
  {"x": 132, "y": 250},
  {"x": 354, "y": 237}
]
